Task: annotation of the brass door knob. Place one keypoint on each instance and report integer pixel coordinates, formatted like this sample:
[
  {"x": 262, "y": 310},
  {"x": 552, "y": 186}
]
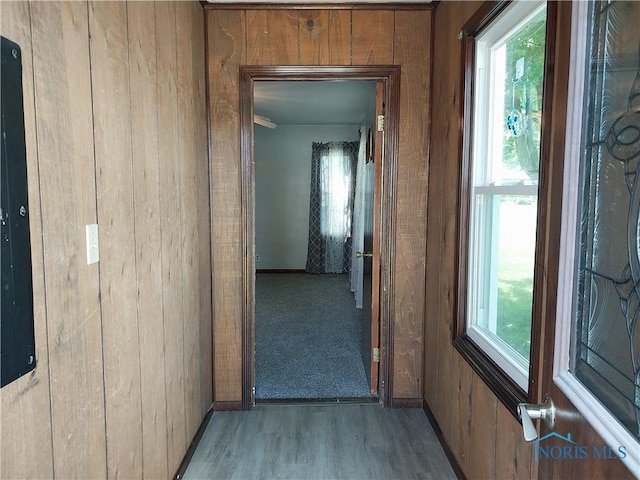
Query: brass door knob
[{"x": 364, "y": 255}]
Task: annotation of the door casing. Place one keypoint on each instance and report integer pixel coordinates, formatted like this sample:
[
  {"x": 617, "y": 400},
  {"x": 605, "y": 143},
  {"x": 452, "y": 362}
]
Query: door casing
[{"x": 390, "y": 75}]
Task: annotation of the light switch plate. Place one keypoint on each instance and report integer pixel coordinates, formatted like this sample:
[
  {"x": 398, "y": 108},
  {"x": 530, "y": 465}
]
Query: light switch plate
[{"x": 93, "y": 249}]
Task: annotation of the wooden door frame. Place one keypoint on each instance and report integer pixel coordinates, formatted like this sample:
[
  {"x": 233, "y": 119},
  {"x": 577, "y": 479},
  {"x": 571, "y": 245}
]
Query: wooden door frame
[{"x": 390, "y": 75}]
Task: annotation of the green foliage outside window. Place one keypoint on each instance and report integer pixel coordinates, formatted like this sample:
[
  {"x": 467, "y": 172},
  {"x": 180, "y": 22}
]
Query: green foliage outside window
[{"x": 523, "y": 95}]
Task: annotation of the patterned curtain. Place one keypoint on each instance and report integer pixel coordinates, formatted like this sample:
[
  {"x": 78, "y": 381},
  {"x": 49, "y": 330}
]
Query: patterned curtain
[{"x": 333, "y": 168}]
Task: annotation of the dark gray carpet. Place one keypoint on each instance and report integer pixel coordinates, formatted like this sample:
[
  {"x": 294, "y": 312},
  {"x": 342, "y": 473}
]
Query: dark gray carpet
[{"x": 308, "y": 335}]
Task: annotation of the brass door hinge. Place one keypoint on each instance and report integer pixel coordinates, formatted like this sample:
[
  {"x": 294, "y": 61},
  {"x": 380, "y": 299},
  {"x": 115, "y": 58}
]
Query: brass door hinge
[
  {"x": 381, "y": 123},
  {"x": 376, "y": 355}
]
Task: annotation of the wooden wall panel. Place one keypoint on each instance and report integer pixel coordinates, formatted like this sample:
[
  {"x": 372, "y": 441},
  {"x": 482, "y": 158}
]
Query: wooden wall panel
[
  {"x": 328, "y": 40},
  {"x": 372, "y": 37},
  {"x": 116, "y": 134},
  {"x": 314, "y": 41},
  {"x": 189, "y": 218},
  {"x": 226, "y": 50},
  {"x": 513, "y": 456},
  {"x": 67, "y": 180},
  {"x": 340, "y": 34},
  {"x": 25, "y": 413},
  {"x": 112, "y": 134},
  {"x": 483, "y": 436},
  {"x": 413, "y": 53},
  {"x": 458, "y": 421},
  {"x": 272, "y": 37},
  {"x": 171, "y": 206},
  {"x": 143, "y": 79},
  {"x": 483, "y": 433},
  {"x": 281, "y": 37}
]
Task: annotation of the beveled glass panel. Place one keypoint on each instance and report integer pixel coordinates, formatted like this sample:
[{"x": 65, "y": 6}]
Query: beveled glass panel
[{"x": 607, "y": 309}]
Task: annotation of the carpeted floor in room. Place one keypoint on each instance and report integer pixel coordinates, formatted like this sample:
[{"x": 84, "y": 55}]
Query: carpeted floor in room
[{"x": 308, "y": 338}]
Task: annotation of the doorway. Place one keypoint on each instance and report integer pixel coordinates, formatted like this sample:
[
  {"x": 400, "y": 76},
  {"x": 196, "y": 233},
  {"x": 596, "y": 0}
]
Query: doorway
[
  {"x": 380, "y": 257},
  {"x": 311, "y": 173}
]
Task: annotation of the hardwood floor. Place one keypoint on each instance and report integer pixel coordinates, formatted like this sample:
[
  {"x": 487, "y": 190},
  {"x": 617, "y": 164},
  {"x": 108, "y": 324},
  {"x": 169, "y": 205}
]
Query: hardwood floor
[{"x": 319, "y": 442}]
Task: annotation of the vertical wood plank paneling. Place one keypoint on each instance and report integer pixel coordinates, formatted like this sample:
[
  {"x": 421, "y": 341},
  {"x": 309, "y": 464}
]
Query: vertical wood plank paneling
[
  {"x": 144, "y": 81},
  {"x": 412, "y": 51},
  {"x": 458, "y": 419},
  {"x": 340, "y": 37},
  {"x": 314, "y": 40},
  {"x": 513, "y": 456},
  {"x": 25, "y": 412},
  {"x": 95, "y": 124},
  {"x": 328, "y": 40},
  {"x": 171, "y": 206},
  {"x": 483, "y": 433},
  {"x": 67, "y": 176},
  {"x": 372, "y": 37},
  {"x": 272, "y": 37},
  {"x": 313, "y": 32},
  {"x": 188, "y": 198},
  {"x": 226, "y": 38},
  {"x": 112, "y": 134},
  {"x": 202, "y": 206},
  {"x": 444, "y": 99}
]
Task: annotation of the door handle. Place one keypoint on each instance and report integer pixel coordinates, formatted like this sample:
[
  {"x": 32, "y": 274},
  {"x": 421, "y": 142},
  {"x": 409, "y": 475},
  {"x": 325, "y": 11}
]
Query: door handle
[
  {"x": 546, "y": 411},
  {"x": 364, "y": 255}
]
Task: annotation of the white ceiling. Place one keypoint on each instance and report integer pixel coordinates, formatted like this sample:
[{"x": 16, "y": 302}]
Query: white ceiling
[{"x": 329, "y": 102}]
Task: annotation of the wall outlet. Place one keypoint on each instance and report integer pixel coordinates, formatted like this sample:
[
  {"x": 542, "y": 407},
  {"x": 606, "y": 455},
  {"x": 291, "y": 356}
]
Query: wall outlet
[
  {"x": 257, "y": 257},
  {"x": 93, "y": 249}
]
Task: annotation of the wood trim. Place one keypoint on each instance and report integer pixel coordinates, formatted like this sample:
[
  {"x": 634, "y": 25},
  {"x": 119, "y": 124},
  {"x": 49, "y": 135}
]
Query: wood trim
[
  {"x": 388, "y": 234},
  {"x": 445, "y": 446},
  {"x": 483, "y": 16},
  {"x": 248, "y": 239},
  {"x": 407, "y": 402},
  {"x": 280, "y": 270},
  {"x": 193, "y": 445},
  {"x": 319, "y": 6},
  {"x": 390, "y": 74},
  {"x": 507, "y": 391},
  {"x": 222, "y": 406}
]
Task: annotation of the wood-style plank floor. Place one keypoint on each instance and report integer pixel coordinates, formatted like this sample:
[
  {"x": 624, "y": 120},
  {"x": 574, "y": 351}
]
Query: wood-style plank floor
[{"x": 319, "y": 442}]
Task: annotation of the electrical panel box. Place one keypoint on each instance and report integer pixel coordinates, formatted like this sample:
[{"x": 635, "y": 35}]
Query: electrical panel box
[{"x": 18, "y": 353}]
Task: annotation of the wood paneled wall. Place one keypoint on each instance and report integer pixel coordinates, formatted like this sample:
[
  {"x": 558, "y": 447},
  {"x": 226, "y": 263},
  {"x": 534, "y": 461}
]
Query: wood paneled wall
[
  {"x": 115, "y": 121},
  {"x": 482, "y": 434},
  {"x": 337, "y": 37}
]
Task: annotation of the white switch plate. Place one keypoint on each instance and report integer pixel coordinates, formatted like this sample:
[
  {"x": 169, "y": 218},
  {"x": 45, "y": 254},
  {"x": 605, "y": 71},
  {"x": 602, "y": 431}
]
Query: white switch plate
[{"x": 93, "y": 250}]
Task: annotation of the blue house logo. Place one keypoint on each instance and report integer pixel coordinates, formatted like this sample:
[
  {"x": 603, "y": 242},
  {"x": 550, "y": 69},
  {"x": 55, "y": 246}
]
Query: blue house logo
[{"x": 567, "y": 448}]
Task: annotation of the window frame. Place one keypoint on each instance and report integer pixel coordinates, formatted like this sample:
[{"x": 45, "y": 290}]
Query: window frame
[{"x": 507, "y": 390}]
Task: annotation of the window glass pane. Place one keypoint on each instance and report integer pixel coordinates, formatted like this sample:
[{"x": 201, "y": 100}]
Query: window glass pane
[
  {"x": 523, "y": 79},
  {"x": 505, "y": 162},
  {"x": 504, "y": 308},
  {"x": 607, "y": 344}
]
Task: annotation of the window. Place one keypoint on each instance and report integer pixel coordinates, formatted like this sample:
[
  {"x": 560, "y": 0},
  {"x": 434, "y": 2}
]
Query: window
[{"x": 503, "y": 113}]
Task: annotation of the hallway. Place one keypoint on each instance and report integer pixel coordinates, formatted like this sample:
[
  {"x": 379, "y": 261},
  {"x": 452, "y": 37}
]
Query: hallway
[{"x": 320, "y": 442}]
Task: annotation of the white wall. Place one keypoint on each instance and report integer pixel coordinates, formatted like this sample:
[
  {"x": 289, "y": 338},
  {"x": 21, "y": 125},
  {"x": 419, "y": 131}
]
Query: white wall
[{"x": 283, "y": 176}]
